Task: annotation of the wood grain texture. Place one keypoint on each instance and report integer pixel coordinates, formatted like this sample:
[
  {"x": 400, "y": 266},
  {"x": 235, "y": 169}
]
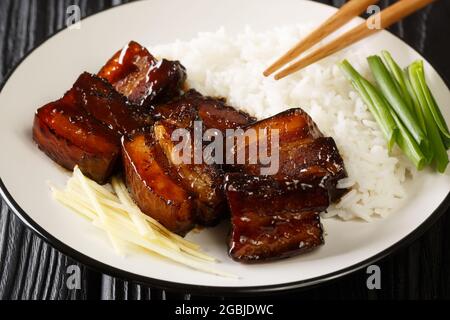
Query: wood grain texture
[{"x": 31, "y": 269}]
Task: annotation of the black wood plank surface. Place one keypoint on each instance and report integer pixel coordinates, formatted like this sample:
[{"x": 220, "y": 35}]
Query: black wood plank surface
[{"x": 31, "y": 269}]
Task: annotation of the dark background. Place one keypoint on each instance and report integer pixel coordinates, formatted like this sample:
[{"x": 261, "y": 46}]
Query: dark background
[{"x": 31, "y": 269}]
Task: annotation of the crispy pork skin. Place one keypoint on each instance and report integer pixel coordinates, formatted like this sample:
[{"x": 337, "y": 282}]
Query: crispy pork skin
[
  {"x": 154, "y": 191},
  {"x": 100, "y": 100},
  {"x": 203, "y": 180},
  {"x": 273, "y": 219},
  {"x": 139, "y": 76},
  {"x": 71, "y": 137},
  {"x": 213, "y": 112}
]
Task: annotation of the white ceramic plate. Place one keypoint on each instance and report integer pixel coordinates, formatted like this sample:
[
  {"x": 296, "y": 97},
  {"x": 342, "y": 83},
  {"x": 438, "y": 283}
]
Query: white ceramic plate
[{"x": 51, "y": 69}]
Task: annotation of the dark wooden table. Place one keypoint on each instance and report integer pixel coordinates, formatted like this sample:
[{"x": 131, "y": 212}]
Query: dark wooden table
[{"x": 32, "y": 269}]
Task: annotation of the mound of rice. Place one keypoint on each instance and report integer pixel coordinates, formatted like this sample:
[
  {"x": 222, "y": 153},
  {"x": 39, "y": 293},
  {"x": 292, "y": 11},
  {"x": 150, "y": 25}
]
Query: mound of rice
[{"x": 220, "y": 64}]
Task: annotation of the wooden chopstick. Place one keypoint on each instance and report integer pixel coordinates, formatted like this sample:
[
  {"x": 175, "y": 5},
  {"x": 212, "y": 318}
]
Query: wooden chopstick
[
  {"x": 348, "y": 11},
  {"x": 388, "y": 17}
]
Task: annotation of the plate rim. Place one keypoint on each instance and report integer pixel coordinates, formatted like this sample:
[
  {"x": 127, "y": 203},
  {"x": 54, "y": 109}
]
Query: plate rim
[{"x": 96, "y": 265}]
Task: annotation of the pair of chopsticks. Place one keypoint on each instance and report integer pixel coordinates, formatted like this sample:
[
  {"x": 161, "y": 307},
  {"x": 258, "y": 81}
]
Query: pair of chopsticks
[{"x": 351, "y": 9}]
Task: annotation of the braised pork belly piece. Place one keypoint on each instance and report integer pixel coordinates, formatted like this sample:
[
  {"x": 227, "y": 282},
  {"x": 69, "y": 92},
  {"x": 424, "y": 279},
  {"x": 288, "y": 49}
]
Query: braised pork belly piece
[
  {"x": 153, "y": 189},
  {"x": 105, "y": 104},
  {"x": 273, "y": 219},
  {"x": 139, "y": 76},
  {"x": 276, "y": 215},
  {"x": 69, "y": 136},
  {"x": 303, "y": 152},
  {"x": 203, "y": 180},
  {"x": 213, "y": 112},
  {"x": 84, "y": 127}
]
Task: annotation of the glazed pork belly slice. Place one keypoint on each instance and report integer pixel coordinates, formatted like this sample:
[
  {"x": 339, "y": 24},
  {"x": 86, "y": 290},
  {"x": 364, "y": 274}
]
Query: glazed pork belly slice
[
  {"x": 100, "y": 100},
  {"x": 304, "y": 153},
  {"x": 71, "y": 137},
  {"x": 317, "y": 161},
  {"x": 152, "y": 188},
  {"x": 213, "y": 112},
  {"x": 203, "y": 180},
  {"x": 92, "y": 112},
  {"x": 139, "y": 76},
  {"x": 293, "y": 125},
  {"x": 273, "y": 219}
]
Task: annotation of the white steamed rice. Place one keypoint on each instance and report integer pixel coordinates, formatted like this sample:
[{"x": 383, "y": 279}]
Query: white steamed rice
[{"x": 220, "y": 64}]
